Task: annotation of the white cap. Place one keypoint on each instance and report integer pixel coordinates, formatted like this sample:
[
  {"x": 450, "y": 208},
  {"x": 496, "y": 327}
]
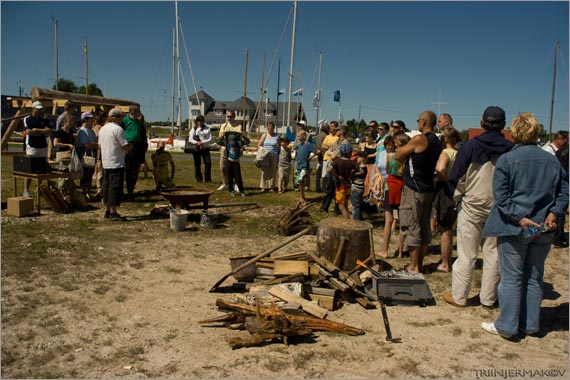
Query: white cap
[
  {"x": 38, "y": 105},
  {"x": 302, "y": 122},
  {"x": 115, "y": 112}
]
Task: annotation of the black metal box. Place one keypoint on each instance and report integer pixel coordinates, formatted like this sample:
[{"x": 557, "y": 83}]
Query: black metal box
[
  {"x": 402, "y": 288},
  {"x": 32, "y": 165}
]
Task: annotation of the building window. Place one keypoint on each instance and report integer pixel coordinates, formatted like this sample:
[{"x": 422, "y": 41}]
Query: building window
[
  {"x": 219, "y": 112},
  {"x": 195, "y": 112}
]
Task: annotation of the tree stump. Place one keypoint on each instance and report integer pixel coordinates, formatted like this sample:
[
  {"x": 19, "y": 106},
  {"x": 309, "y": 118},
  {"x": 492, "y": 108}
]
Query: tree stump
[{"x": 352, "y": 236}]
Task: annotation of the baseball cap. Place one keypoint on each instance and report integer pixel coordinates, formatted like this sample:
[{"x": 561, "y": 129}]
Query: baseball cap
[
  {"x": 494, "y": 114},
  {"x": 115, "y": 112},
  {"x": 86, "y": 115},
  {"x": 38, "y": 105},
  {"x": 345, "y": 148},
  {"x": 302, "y": 122}
]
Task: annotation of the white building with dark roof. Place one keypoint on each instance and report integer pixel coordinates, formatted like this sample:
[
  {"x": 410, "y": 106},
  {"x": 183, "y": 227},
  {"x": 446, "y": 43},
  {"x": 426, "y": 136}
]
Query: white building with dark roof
[{"x": 214, "y": 112}]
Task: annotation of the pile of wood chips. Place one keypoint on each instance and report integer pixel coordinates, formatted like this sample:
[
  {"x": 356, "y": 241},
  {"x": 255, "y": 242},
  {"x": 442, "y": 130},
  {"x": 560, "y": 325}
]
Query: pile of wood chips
[{"x": 290, "y": 297}]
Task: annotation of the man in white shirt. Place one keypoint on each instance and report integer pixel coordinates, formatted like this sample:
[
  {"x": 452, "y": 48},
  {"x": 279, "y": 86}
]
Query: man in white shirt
[
  {"x": 113, "y": 145},
  {"x": 559, "y": 142}
]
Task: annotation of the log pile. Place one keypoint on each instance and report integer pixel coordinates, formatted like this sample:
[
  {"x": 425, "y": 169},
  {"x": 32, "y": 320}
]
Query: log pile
[
  {"x": 294, "y": 220},
  {"x": 269, "y": 324}
]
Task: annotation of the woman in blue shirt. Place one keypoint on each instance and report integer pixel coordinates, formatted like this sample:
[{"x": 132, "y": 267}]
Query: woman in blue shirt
[{"x": 530, "y": 190}]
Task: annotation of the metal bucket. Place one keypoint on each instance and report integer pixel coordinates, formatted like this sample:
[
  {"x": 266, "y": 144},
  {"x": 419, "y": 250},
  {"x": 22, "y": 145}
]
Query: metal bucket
[
  {"x": 208, "y": 220},
  {"x": 178, "y": 219},
  {"x": 247, "y": 273}
]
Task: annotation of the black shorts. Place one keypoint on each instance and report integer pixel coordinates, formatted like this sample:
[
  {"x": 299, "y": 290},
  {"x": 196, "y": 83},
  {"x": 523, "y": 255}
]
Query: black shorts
[{"x": 113, "y": 186}]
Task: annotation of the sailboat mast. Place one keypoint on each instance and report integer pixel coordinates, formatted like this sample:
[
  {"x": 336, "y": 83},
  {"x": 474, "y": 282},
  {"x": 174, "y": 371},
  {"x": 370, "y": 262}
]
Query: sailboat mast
[
  {"x": 56, "y": 56},
  {"x": 319, "y": 89},
  {"x": 179, "y": 114},
  {"x": 291, "y": 67},
  {"x": 173, "y": 73},
  {"x": 244, "y": 129},
  {"x": 262, "y": 92},
  {"x": 86, "y": 68},
  {"x": 553, "y": 90}
]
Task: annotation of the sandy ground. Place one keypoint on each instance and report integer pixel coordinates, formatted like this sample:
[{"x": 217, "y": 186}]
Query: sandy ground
[{"x": 132, "y": 312}]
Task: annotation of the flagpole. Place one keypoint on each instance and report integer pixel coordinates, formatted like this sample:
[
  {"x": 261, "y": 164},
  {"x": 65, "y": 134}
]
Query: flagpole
[
  {"x": 86, "y": 68},
  {"x": 339, "y": 100},
  {"x": 319, "y": 88},
  {"x": 301, "y": 94},
  {"x": 291, "y": 67},
  {"x": 553, "y": 90}
]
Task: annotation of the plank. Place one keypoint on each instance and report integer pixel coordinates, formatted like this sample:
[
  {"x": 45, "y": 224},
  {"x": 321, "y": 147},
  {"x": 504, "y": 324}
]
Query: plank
[
  {"x": 308, "y": 306},
  {"x": 323, "y": 301},
  {"x": 287, "y": 267}
]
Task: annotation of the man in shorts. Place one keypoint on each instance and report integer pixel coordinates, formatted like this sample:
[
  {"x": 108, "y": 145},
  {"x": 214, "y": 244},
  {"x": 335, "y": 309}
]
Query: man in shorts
[
  {"x": 415, "y": 208},
  {"x": 37, "y": 132}
]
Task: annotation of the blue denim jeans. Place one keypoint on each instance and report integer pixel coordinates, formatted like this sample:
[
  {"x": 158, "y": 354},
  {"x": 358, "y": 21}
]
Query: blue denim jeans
[
  {"x": 521, "y": 266},
  {"x": 356, "y": 201}
]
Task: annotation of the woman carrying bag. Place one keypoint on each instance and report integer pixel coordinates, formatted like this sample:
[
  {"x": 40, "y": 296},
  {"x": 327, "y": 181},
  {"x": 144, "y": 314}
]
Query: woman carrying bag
[
  {"x": 269, "y": 141},
  {"x": 87, "y": 149}
]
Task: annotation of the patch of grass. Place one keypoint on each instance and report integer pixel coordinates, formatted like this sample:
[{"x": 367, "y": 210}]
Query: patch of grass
[
  {"x": 456, "y": 331},
  {"x": 302, "y": 359},
  {"x": 437, "y": 322},
  {"x": 121, "y": 298},
  {"x": 173, "y": 270},
  {"x": 170, "y": 334},
  {"x": 410, "y": 367},
  {"x": 511, "y": 356},
  {"x": 137, "y": 265},
  {"x": 276, "y": 365},
  {"x": 101, "y": 289}
]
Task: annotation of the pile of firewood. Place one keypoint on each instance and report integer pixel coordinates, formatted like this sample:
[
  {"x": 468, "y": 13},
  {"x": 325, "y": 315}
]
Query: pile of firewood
[
  {"x": 294, "y": 220},
  {"x": 291, "y": 296}
]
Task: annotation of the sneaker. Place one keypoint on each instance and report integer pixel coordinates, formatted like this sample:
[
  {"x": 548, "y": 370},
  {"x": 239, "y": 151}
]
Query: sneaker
[
  {"x": 232, "y": 194},
  {"x": 26, "y": 194},
  {"x": 107, "y": 214},
  {"x": 236, "y": 188},
  {"x": 117, "y": 218},
  {"x": 223, "y": 186},
  {"x": 491, "y": 329},
  {"x": 242, "y": 194}
]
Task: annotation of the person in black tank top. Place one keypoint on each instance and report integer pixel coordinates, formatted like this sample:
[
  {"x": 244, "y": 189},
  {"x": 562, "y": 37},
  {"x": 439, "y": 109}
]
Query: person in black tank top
[{"x": 421, "y": 155}]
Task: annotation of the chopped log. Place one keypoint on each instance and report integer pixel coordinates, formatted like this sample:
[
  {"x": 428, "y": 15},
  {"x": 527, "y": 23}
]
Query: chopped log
[
  {"x": 356, "y": 247},
  {"x": 334, "y": 282},
  {"x": 365, "y": 303},
  {"x": 323, "y": 262},
  {"x": 309, "y": 289},
  {"x": 265, "y": 265},
  {"x": 323, "y": 301},
  {"x": 288, "y": 267},
  {"x": 288, "y": 296},
  {"x": 316, "y": 324}
]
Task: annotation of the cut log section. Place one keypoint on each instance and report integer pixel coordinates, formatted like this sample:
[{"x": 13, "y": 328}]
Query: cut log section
[{"x": 356, "y": 246}]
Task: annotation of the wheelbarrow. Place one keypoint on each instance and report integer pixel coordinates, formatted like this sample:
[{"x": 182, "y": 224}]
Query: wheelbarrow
[{"x": 181, "y": 197}]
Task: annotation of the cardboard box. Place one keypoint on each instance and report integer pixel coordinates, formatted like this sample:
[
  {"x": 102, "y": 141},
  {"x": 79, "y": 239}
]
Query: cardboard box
[{"x": 20, "y": 206}]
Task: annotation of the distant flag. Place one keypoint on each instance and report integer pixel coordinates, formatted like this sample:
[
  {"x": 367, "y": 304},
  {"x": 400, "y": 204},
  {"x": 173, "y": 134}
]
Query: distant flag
[
  {"x": 317, "y": 99},
  {"x": 281, "y": 92},
  {"x": 299, "y": 92},
  {"x": 337, "y": 96},
  {"x": 322, "y": 121}
]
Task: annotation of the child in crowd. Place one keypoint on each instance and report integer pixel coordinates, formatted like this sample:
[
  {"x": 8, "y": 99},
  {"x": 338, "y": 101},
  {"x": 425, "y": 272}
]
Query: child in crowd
[
  {"x": 342, "y": 169},
  {"x": 395, "y": 182},
  {"x": 284, "y": 165},
  {"x": 305, "y": 152},
  {"x": 160, "y": 162},
  {"x": 357, "y": 185}
]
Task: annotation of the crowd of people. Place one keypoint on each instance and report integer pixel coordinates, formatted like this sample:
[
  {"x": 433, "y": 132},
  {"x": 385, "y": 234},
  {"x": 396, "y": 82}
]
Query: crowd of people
[{"x": 507, "y": 200}]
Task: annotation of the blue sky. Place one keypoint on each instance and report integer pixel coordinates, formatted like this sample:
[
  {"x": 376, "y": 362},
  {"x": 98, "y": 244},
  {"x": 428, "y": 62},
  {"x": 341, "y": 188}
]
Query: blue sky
[{"x": 391, "y": 60}]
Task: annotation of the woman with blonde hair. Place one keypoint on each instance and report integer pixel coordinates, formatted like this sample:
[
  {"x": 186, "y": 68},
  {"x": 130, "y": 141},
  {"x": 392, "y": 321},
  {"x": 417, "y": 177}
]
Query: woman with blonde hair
[{"x": 530, "y": 190}]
